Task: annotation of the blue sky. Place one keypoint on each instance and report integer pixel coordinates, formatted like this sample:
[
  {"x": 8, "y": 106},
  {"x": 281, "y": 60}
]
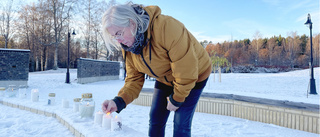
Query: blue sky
[{"x": 221, "y": 20}]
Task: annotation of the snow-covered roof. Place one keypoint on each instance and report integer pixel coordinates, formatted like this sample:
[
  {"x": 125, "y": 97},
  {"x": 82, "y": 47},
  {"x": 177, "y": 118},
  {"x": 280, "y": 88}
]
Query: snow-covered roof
[
  {"x": 98, "y": 60},
  {"x": 15, "y": 49}
]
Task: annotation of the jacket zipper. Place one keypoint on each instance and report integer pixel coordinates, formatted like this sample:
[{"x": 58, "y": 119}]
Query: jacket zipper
[
  {"x": 165, "y": 77},
  {"x": 147, "y": 65}
]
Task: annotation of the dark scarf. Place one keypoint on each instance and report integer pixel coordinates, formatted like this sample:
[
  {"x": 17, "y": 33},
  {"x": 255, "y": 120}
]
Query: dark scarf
[{"x": 139, "y": 42}]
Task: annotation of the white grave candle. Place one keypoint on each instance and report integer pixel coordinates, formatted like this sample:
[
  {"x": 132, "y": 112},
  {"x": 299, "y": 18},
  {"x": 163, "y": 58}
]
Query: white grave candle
[
  {"x": 76, "y": 102},
  {"x": 98, "y": 118},
  {"x": 34, "y": 95},
  {"x": 106, "y": 121},
  {"x": 65, "y": 103},
  {"x": 2, "y": 90},
  {"x": 12, "y": 91},
  {"x": 116, "y": 124},
  {"x": 22, "y": 91},
  {"x": 86, "y": 110},
  {"x": 51, "y": 98}
]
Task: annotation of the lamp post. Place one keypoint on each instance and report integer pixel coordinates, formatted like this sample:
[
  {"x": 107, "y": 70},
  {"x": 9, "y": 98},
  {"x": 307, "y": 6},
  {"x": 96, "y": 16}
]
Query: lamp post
[
  {"x": 312, "y": 80},
  {"x": 68, "y": 73}
]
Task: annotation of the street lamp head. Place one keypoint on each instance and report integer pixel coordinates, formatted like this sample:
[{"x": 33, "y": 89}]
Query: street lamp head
[
  {"x": 74, "y": 32},
  {"x": 308, "y": 21}
]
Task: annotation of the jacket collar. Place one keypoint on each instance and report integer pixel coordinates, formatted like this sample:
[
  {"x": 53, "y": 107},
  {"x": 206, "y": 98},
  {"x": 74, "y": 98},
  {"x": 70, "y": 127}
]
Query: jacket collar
[{"x": 153, "y": 12}]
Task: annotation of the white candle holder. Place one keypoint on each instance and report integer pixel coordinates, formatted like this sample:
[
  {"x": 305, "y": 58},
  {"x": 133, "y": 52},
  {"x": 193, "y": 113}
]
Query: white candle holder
[
  {"x": 76, "y": 103},
  {"x": 87, "y": 105},
  {"x": 116, "y": 124},
  {"x": 34, "y": 95},
  {"x": 2, "y": 90},
  {"x": 51, "y": 99},
  {"x": 98, "y": 118},
  {"x": 22, "y": 91},
  {"x": 106, "y": 121},
  {"x": 11, "y": 91},
  {"x": 65, "y": 103}
]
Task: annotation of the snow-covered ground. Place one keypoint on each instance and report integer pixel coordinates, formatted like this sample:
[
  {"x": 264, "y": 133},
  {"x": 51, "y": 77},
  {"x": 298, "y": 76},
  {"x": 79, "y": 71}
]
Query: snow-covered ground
[
  {"x": 290, "y": 86},
  {"x": 19, "y": 123}
]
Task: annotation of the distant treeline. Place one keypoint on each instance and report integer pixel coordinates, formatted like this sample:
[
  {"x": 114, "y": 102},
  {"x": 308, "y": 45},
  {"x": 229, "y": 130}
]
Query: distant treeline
[{"x": 277, "y": 51}]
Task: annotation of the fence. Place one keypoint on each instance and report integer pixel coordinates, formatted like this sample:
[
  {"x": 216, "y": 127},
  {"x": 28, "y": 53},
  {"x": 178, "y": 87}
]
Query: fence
[
  {"x": 288, "y": 114},
  {"x": 90, "y": 70}
]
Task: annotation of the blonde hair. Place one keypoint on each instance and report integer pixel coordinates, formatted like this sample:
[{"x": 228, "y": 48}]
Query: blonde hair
[{"x": 120, "y": 15}]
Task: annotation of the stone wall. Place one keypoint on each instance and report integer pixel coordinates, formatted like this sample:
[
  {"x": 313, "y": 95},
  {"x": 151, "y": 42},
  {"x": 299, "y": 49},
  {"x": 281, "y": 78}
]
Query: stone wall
[
  {"x": 14, "y": 67},
  {"x": 295, "y": 115},
  {"x": 90, "y": 70}
]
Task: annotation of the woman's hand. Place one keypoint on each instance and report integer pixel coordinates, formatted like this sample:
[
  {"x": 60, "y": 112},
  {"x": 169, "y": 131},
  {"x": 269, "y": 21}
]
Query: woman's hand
[
  {"x": 109, "y": 106},
  {"x": 170, "y": 106}
]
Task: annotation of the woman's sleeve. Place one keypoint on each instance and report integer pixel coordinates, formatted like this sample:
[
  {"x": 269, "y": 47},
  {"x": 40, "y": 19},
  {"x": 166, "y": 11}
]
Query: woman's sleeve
[{"x": 133, "y": 83}]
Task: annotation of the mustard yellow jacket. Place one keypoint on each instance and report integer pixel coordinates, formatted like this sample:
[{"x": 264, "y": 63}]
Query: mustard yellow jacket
[{"x": 174, "y": 58}]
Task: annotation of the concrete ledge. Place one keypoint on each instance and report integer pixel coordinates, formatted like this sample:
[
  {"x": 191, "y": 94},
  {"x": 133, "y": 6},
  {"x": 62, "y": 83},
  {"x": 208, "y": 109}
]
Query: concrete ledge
[
  {"x": 295, "y": 115},
  {"x": 71, "y": 129},
  {"x": 40, "y": 112},
  {"x": 33, "y": 110},
  {"x": 27, "y": 108},
  {"x": 5, "y": 103},
  {"x": 9, "y": 104},
  {"x": 21, "y": 107},
  {"x": 77, "y": 133},
  {"x": 15, "y": 106},
  {"x": 48, "y": 114}
]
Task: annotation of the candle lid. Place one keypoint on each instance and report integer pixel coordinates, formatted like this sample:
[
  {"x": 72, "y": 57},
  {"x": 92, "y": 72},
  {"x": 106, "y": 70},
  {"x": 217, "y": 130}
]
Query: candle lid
[
  {"x": 87, "y": 95},
  {"x": 76, "y": 99},
  {"x": 2, "y": 88},
  {"x": 13, "y": 87},
  {"x": 52, "y": 94},
  {"x": 23, "y": 86}
]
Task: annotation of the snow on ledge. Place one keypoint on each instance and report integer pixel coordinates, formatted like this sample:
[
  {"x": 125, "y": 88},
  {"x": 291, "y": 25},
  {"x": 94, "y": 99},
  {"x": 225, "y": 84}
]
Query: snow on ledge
[
  {"x": 98, "y": 60},
  {"x": 26, "y": 50}
]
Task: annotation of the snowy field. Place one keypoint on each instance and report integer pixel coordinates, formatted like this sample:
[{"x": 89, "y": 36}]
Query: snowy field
[{"x": 290, "y": 86}]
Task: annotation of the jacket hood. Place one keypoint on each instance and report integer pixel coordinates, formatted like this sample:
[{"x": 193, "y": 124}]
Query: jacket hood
[{"x": 153, "y": 12}]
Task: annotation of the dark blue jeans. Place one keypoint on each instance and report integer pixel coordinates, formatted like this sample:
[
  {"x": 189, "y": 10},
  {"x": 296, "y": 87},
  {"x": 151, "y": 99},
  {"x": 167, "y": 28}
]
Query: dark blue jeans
[{"x": 182, "y": 117}]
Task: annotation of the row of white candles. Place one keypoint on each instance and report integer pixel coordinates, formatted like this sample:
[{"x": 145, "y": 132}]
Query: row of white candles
[
  {"x": 108, "y": 122},
  {"x": 12, "y": 91}
]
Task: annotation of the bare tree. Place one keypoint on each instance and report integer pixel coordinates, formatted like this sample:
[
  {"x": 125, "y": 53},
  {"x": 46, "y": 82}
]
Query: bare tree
[
  {"x": 45, "y": 27},
  {"x": 60, "y": 13},
  {"x": 27, "y": 25},
  {"x": 97, "y": 38},
  {"x": 293, "y": 47},
  {"x": 271, "y": 44},
  {"x": 91, "y": 27},
  {"x": 6, "y": 20},
  {"x": 45, "y": 37},
  {"x": 257, "y": 42},
  {"x": 87, "y": 14}
]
